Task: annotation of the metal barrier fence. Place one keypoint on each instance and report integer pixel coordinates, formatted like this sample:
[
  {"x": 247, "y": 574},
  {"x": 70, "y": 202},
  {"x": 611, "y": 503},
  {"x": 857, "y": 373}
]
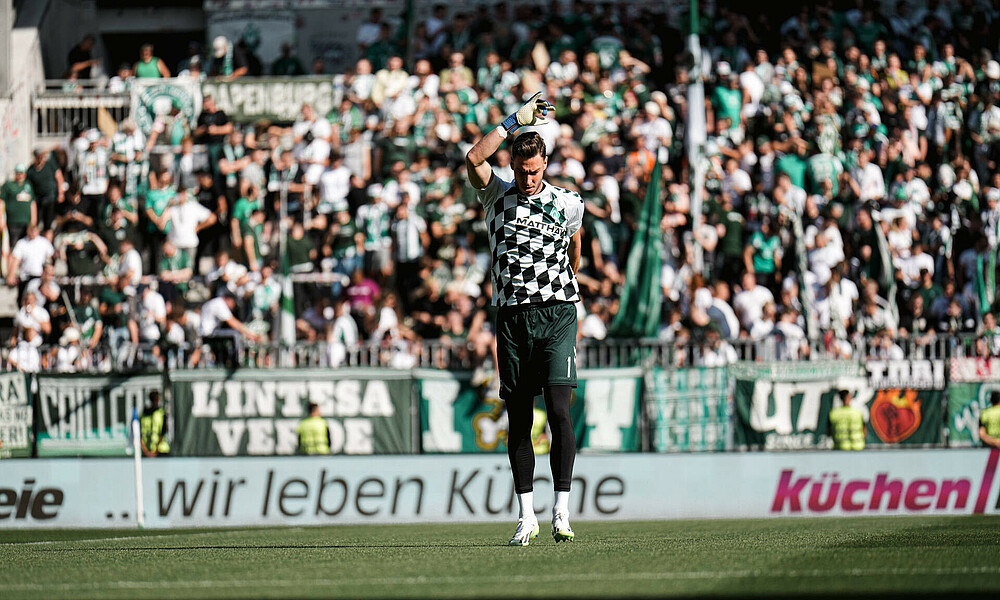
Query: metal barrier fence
[
  {"x": 232, "y": 352},
  {"x": 61, "y": 107}
]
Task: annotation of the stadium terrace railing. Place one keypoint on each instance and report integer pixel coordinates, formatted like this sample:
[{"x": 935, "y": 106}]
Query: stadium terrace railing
[
  {"x": 435, "y": 354},
  {"x": 65, "y": 106}
]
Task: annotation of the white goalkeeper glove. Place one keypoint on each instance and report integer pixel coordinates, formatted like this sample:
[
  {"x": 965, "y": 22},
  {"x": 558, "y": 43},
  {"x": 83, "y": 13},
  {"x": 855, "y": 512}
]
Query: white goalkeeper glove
[{"x": 531, "y": 112}]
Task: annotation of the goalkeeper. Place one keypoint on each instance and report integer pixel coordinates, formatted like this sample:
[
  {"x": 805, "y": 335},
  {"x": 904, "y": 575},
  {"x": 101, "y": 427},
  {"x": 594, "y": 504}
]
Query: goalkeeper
[{"x": 534, "y": 233}]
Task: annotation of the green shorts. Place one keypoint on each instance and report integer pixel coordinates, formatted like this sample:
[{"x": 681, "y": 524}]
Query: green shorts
[{"x": 536, "y": 347}]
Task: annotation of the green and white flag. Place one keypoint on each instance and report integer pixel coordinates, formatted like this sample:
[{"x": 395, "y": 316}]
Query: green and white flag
[
  {"x": 287, "y": 305},
  {"x": 639, "y": 315},
  {"x": 986, "y": 281}
]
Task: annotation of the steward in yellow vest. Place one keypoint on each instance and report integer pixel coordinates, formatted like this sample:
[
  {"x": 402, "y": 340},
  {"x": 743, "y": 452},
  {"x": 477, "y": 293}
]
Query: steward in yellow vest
[
  {"x": 153, "y": 427},
  {"x": 989, "y": 422},
  {"x": 314, "y": 435},
  {"x": 847, "y": 425}
]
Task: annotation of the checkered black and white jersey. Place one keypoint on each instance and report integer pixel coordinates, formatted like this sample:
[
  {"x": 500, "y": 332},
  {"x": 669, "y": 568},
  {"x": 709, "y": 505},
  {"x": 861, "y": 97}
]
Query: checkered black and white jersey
[{"x": 529, "y": 238}]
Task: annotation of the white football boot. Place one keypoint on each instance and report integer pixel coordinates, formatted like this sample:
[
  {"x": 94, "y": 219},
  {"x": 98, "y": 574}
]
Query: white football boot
[
  {"x": 561, "y": 530},
  {"x": 527, "y": 530}
]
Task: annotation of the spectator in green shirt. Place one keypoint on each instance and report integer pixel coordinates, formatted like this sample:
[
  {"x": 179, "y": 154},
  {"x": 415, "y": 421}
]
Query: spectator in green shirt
[
  {"x": 762, "y": 256},
  {"x": 17, "y": 199},
  {"x": 158, "y": 200},
  {"x": 730, "y": 248},
  {"x": 286, "y": 64},
  {"x": 47, "y": 180},
  {"x": 242, "y": 210},
  {"x": 175, "y": 272},
  {"x": 300, "y": 250},
  {"x": 795, "y": 163},
  {"x": 251, "y": 232},
  {"x": 150, "y": 66},
  {"x": 727, "y": 101},
  {"x": 87, "y": 319}
]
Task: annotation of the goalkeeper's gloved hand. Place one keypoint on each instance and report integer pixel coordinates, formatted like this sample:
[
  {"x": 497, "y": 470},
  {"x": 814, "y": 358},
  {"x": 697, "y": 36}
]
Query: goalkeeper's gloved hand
[{"x": 531, "y": 112}]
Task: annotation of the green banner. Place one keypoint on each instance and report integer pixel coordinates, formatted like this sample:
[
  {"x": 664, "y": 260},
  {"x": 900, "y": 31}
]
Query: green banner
[
  {"x": 965, "y": 402},
  {"x": 905, "y": 416},
  {"x": 906, "y": 404},
  {"x": 689, "y": 409},
  {"x": 786, "y": 406},
  {"x": 246, "y": 99},
  {"x": 254, "y": 412},
  {"x": 457, "y": 415},
  {"x": 16, "y": 432},
  {"x": 88, "y": 415},
  {"x": 175, "y": 102}
]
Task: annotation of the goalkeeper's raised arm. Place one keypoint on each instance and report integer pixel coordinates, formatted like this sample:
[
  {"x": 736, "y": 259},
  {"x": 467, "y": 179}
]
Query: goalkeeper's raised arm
[{"x": 531, "y": 112}]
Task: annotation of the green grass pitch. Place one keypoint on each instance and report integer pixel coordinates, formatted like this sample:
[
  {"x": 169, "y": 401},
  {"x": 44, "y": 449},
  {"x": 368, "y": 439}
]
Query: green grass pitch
[{"x": 902, "y": 557}]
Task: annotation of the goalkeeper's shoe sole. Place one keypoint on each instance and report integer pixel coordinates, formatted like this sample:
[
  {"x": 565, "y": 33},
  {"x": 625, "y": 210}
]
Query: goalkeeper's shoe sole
[
  {"x": 563, "y": 536},
  {"x": 561, "y": 531},
  {"x": 524, "y": 534}
]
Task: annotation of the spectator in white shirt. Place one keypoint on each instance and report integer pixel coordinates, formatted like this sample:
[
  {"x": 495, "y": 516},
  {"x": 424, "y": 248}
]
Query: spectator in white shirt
[
  {"x": 402, "y": 184},
  {"x": 31, "y": 317},
  {"x": 736, "y": 182},
  {"x": 912, "y": 265},
  {"x": 654, "y": 130},
  {"x": 823, "y": 258},
  {"x": 152, "y": 315},
  {"x": 92, "y": 168},
  {"x": 715, "y": 352},
  {"x": 25, "y": 356},
  {"x": 217, "y": 318},
  {"x": 793, "y": 341},
  {"x": 228, "y": 275},
  {"x": 334, "y": 186},
  {"x": 187, "y": 218},
  {"x": 343, "y": 334},
  {"x": 28, "y": 257},
  {"x": 45, "y": 288},
  {"x": 368, "y": 32},
  {"x": 594, "y": 325},
  {"x": 764, "y": 326},
  {"x": 564, "y": 71},
  {"x": 866, "y": 179},
  {"x": 69, "y": 355},
  {"x": 390, "y": 84},
  {"x": 129, "y": 263},
  {"x": 749, "y": 303}
]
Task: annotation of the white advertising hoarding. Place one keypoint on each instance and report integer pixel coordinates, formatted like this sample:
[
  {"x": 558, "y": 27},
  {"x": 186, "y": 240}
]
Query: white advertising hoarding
[{"x": 199, "y": 492}]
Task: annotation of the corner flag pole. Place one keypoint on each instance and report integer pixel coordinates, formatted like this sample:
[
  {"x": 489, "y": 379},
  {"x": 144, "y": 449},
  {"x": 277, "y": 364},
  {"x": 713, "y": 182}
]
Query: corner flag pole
[
  {"x": 140, "y": 517},
  {"x": 696, "y": 134}
]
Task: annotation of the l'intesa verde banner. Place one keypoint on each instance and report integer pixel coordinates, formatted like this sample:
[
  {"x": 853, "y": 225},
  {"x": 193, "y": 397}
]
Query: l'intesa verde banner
[
  {"x": 689, "y": 409},
  {"x": 457, "y": 415},
  {"x": 16, "y": 434},
  {"x": 786, "y": 406},
  {"x": 256, "y": 412}
]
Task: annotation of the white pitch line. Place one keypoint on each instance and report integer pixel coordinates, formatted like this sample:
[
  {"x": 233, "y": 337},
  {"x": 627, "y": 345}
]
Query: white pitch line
[
  {"x": 406, "y": 581},
  {"x": 132, "y": 537}
]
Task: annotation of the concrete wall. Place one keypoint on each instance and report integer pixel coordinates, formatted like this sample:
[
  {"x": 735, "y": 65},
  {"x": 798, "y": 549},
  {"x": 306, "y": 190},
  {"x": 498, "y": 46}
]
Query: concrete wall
[{"x": 27, "y": 74}]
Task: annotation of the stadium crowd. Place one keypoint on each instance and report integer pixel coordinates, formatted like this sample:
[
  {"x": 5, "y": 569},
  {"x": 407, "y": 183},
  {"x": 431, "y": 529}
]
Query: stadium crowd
[{"x": 852, "y": 178}]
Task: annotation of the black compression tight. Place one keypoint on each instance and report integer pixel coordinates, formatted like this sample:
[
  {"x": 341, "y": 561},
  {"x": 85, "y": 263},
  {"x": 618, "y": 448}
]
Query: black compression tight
[{"x": 562, "y": 451}]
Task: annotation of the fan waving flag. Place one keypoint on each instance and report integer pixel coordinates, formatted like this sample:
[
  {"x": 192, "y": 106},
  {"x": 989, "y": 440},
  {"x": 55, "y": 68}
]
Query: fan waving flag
[
  {"x": 287, "y": 305},
  {"x": 639, "y": 314}
]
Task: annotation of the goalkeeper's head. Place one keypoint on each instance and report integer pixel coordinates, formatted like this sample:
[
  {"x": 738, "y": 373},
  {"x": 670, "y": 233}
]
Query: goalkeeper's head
[{"x": 529, "y": 162}]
